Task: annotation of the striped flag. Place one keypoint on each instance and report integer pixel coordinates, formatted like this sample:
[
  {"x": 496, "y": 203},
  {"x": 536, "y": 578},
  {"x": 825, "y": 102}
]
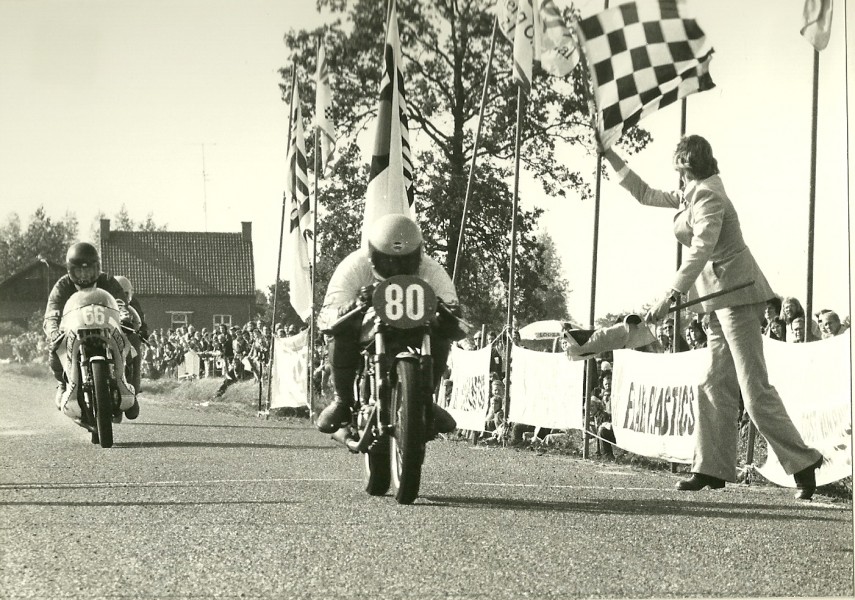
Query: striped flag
[
  {"x": 642, "y": 56},
  {"x": 301, "y": 225},
  {"x": 323, "y": 110},
  {"x": 817, "y": 22},
  {"x": 390, "y": 182},
  {"x": 542, "y": 35}
]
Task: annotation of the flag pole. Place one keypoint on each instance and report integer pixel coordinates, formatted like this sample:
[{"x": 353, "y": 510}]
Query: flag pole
[
  {"x": 812, "y": 197},
  {"x": 281, "y": 238},
  {"x": 591, "y": 365},
  {"x": 476, "y": 143},
  {"x": 512, "y": 270}
]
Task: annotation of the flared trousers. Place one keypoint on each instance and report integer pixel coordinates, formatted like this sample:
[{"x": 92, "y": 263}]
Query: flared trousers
[{"x": 737, "y": 362}]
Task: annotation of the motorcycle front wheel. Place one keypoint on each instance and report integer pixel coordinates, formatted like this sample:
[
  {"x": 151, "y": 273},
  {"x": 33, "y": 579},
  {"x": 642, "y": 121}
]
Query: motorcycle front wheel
[
  {"x": 378, "y": 468},
  {"x": 408, "y": 441},
  {"x": 103, "y": 406}
]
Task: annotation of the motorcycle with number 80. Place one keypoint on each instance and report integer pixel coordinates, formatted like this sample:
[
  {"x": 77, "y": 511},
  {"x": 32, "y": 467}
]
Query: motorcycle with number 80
[{"x": 392, "y": 412}]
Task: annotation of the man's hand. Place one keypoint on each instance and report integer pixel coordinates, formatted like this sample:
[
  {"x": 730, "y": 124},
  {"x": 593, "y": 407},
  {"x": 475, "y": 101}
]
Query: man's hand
[{"x": 659, "y": 309}]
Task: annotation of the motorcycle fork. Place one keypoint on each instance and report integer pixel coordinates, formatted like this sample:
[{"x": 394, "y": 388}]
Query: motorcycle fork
[
  {"x": 426, "y": 378},
  {"x": 382, "y": 387}
]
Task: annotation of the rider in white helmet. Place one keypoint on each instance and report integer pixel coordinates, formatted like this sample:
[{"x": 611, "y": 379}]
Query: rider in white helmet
[{"x": 394, "y": 248}]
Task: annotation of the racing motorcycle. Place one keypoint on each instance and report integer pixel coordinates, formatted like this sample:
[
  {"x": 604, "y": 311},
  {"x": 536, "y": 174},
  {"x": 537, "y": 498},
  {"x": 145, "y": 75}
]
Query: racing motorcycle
[
  {"x": 93, "y": 354},
  {"x": 392, "y": 414}
]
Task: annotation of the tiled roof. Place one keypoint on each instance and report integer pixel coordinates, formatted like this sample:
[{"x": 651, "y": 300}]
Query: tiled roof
[{"x": 183, "y": 263}]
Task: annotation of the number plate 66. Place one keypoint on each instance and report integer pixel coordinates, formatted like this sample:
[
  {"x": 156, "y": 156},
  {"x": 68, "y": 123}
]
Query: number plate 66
[{"x": 404, "y": 301}]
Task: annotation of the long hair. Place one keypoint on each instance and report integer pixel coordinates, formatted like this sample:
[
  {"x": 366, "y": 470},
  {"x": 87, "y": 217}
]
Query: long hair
[
  {"x": 695, "y": 154},
  {"x": 798, "y": 312}
]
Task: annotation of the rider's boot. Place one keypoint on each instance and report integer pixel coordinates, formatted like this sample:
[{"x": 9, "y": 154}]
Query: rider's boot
[
  {"x": 338, "y": 413},
  {"x": 443, "y": 422},
  {"x": 134, "y": 411},
  {"x": 60, "y": 390}
]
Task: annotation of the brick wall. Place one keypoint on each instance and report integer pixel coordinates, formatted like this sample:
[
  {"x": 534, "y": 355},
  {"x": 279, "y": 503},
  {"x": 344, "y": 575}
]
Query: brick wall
[{"x": 158, "y": 309}]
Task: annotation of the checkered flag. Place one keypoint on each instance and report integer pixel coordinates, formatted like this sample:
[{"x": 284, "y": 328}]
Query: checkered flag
[{"x": 642, "y": 56}]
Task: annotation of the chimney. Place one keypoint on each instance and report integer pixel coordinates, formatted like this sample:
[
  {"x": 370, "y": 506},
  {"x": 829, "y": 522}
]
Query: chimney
[
  {"x": 105, "y": 230},
  {"x": 246, "y": 230}
]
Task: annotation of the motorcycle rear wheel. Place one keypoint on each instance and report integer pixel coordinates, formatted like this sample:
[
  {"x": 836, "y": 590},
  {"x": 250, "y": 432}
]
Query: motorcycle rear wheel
[
  {"x": 408, "y": 443},
  {"x": 103, "y": 406}
]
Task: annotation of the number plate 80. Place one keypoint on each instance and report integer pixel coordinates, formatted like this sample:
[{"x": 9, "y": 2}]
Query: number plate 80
[{"x": 404, "y": 301}]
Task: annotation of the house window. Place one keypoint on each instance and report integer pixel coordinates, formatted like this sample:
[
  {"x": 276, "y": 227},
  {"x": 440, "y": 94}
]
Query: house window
[
  {"x": 222, "y": 320},
  {"x": 179, "y": 318}
]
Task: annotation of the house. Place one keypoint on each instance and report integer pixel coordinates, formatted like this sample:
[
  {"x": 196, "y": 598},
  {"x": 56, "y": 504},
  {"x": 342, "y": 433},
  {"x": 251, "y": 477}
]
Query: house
[
  {"x": 27, "y": 291},
  {"x": 184, "y": 278}
]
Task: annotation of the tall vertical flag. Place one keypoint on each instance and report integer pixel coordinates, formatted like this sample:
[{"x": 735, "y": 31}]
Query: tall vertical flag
[
  {"x": 301, "y": 218},
  {"x": 538, "y": 32},
  {"x": 390, "y": 182},
  {"x": 323, "y": 109},
  {"x": 642, "y": 56},
  {"x": 817, "y": 22}
]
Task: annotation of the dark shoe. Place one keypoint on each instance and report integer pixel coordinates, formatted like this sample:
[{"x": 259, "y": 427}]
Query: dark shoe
[
  {"x": 334, "y": 416},
  {"x": 699, "y": 481},
  {"x": 134, "y": 411},
  {"x": 443, "y": 422},
  {"x": 60, "y": 390},
  {"x": 806, "y": 481}
]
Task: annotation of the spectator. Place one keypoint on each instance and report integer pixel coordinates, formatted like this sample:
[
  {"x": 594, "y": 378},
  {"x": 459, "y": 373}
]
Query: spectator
[
  {"x": 777, "y": 329},
  {"x": 791, "y": 309},
  {"x": 830, "y": 325},
  {"x": 797, "y": 330},
  {"x": 771, "y": 312},
  {"x": 696, "y": 336},
  {"x": 496, "y": 416}
]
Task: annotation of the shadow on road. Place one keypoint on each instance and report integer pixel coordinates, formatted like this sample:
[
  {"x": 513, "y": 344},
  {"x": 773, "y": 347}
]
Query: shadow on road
[
  {"x": 148, "y": 503},
  {"x": 729, "y": 510},
  {"x": 178, "y": 444},
  {"x": 203, "y": 426}
]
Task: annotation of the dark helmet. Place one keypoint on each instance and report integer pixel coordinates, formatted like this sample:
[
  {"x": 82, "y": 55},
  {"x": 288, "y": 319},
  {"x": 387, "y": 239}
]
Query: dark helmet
[
  {"x": 83, "y": 264},
  {"x": 395, "y": 246}
]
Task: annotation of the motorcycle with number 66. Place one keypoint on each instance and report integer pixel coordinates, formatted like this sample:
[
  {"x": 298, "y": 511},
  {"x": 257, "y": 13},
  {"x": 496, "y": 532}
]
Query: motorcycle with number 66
[
  {"x": 93, "y": 353},
  {"x": 392, "y": 414}
]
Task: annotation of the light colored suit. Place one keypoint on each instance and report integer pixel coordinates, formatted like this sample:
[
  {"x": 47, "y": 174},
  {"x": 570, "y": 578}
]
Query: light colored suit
[{"x": 718, "y": 259}]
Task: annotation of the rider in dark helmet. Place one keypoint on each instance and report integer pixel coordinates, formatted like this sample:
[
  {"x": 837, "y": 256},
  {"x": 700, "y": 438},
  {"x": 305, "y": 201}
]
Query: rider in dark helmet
[
  {"x": 394, "y": 248},
  {"x": 84, "y": 271}
]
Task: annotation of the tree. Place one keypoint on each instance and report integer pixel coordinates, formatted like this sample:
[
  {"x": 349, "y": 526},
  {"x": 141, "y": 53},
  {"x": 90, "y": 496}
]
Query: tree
[
  {"x": 285, "y": 313},
  {"x": 122, "y": 221},
  {"x": 444, "y": 45},
  {"x": 43, "y": 237}
]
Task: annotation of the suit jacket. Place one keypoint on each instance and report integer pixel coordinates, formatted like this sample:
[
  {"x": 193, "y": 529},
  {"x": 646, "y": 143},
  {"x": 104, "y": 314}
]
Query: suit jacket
[{"x": 717, "y": 257}]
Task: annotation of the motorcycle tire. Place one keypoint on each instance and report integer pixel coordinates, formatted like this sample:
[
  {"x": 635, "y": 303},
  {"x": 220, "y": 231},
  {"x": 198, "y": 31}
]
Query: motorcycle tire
[
  {"x": 378, "y": 468},
  {"x": 408, "y": 442},
  {"x": 103, "y": 406}
]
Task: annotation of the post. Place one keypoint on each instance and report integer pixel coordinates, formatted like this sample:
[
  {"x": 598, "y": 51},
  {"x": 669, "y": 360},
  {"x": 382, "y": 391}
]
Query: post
[
  {"x": 311, "y": 343},
  {"x": 812, "y": 198},
  {"x": 279, "y": 256},
  {"x": 591, "y": 366},
  {"x": 512, "y": 269},
  {"x": 475, "y": 144}
]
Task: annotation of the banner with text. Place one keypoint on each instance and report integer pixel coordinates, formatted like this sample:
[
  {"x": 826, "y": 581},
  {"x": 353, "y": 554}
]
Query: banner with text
[
  {"x": 470, "y": 387},
  {"x": 288, "y": 381},
  {"x": 815, "y": 384},
  {"x": 546, "y": 389},
  {"x": 655, "y": 402}
]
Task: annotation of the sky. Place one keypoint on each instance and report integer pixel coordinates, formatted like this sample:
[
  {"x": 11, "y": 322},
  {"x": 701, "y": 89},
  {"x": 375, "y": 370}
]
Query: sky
[{"x": 172, "y": 108}]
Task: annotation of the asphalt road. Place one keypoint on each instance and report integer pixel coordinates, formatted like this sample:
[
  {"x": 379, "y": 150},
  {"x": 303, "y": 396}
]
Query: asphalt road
[{"x": 194, "y": 504}]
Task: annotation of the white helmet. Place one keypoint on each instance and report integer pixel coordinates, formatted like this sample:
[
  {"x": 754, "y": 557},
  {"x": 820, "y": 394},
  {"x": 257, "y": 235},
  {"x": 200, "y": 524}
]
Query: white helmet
[{"x": 126, "y": 285}]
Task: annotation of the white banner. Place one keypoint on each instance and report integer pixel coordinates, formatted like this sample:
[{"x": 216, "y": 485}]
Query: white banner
[
  {"x": 289, "y": 383},
  {"x": 814, "y": 381},
  {"x": 190, "y": 366},
  {"x": 546, "y": 389},
  {"x": 655, "y": 402},
  {"x": 470, "y": 387}
]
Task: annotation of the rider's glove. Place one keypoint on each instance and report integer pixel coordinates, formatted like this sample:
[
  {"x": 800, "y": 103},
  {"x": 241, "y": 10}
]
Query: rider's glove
[
  {"x": 347, "y": 307},
  {"x": 56, "y": 337}
]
